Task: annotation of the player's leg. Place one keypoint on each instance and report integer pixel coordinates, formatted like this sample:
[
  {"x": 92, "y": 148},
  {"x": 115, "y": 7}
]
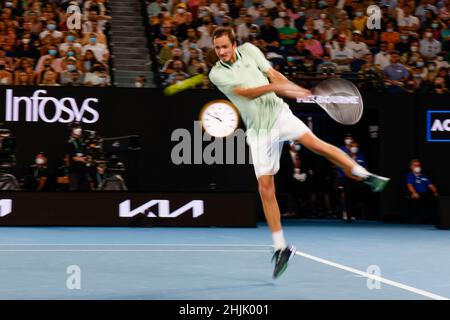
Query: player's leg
[
  {"x": 341, "y": 159},
  {"x": 283, "y": 253},
  {"x": 266, "y": 188}
]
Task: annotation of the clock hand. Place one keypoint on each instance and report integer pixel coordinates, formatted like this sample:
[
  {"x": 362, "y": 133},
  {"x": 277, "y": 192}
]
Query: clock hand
[{"x": 214, "y": 117}]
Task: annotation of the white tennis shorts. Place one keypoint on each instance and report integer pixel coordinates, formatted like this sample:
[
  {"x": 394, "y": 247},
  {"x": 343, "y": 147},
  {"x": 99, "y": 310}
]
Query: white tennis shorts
[{"x": 265, "y": 146}]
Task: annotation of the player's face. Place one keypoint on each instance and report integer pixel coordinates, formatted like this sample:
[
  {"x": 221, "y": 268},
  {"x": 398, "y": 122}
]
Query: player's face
[{"x": 225, "y": 50}]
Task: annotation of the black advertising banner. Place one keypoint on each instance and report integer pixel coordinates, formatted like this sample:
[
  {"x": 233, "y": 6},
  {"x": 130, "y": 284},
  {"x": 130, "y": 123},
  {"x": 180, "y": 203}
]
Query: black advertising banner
[
  {"x": 127, "y": 209},
  {"x": 395, "y": 128},
  {"x": 434, "y": 139},
  {"x": 39, "y": 117}
]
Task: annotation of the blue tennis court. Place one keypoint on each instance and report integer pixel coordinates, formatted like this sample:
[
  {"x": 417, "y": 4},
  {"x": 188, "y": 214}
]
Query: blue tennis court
[{"x": 364, "y": 260}]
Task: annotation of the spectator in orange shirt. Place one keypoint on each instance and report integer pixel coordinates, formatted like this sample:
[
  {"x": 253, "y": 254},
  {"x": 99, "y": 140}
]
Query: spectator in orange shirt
[{"x": 391, "y": 36}]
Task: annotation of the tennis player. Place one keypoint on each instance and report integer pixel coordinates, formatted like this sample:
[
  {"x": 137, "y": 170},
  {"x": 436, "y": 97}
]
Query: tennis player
[{"x": 248, "y": 80}]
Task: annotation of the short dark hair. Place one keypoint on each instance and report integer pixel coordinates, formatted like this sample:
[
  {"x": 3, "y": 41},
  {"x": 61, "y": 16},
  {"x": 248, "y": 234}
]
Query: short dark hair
[{"x": 225, "y": 31}]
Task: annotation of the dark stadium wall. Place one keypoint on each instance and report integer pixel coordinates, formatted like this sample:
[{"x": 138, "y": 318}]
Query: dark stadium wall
[{"x": 391, "y": 132}]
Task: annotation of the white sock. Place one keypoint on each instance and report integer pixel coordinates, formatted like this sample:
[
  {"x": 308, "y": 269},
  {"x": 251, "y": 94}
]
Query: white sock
[
  {"x": 360, "y": 172},
  {"x": 278, "y": 240}
]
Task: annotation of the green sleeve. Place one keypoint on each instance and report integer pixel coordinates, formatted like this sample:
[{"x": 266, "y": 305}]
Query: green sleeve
[{"x": 254, "y": 52}]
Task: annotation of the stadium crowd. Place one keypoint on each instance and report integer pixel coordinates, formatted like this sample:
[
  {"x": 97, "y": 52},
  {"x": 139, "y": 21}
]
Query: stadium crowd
[
  {"x": 38, "y": 46},
  {"x": 311, "y": 40}
]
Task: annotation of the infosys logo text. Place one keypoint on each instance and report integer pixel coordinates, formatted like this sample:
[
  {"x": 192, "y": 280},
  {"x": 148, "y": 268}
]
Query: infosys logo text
[{"x": 38, "y": 107}]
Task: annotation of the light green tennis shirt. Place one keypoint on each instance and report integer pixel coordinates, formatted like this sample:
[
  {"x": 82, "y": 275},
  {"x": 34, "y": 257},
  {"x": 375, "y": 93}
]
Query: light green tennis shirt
[{"x": 248, "y": 71}]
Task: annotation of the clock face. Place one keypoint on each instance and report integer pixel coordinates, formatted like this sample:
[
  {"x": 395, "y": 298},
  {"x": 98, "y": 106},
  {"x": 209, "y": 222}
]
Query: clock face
[{"x": 219, "y": 118}]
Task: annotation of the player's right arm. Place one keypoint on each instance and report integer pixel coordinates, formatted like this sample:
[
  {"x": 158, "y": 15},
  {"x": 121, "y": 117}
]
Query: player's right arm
[
  {"x": 227, "y": 83},
  {"x": 280, "y": 84}
]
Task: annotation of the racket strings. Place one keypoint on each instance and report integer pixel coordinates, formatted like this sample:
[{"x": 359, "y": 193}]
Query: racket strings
[{"x": 341, "y": 99}]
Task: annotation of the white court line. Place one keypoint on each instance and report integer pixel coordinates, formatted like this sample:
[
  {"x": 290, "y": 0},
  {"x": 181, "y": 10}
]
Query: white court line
[
  {"x": 305, "y": 255},
  {"x": 138, "y": 244},
  {"x": 374, "y": 277},
  {"x": 128, "y": 250}
]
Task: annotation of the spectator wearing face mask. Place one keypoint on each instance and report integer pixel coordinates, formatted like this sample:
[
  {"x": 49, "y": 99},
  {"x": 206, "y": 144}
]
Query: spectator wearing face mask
[
  {"x": 421, "y": 191},
  {"x": 432, "y": 71},
  {"x": 360, "y": 20},
  {"x": 70, "y": 42},
  {"x": 421, "y": 69},
  {"x": 38, "y": 174},
  {"x": 51, "y": 30},
  {"x": 182, "y": 18},
  {"x": 350, "y": 189},
  {"x": 413, "y": 55},
  {"x": 72, "y": 76},
  {"x": 190, "y": 43},
  {"x": 403, "y": 46},
  {"x": 314, "y": 46},
  {"x": 193, "y": 52},
  {"x": 177, "y": 75},
  {"x": 348, "y": 139},
  {"x": 93, "y": 27},
  {"x": 429, "y": 47},
  {"x": 139, "y": 82},
  {"x": 26, "y": 49},
  {"x": 51, "y": 59},
  {"x": 76, "y": 152},
  {"x": 88, "y": 61},
  {"x": 98, "y": 77},
  {"x": 440, "y": 86},
  {"x": 390, "y": 36},
  {"x": 100, "y": 51}
]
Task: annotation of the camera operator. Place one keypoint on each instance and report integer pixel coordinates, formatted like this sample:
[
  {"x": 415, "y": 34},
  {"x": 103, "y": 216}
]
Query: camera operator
[
  {"x": 7, "y": 160},
  {"x": 37, "y": 178},
  {"x": 97, "y": 172},
  {"x": 76, "y": 149}
]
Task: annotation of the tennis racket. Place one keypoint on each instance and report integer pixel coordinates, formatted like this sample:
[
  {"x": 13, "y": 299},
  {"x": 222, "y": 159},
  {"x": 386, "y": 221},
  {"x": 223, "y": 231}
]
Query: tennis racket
[{"x": 340, "y": 99}]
